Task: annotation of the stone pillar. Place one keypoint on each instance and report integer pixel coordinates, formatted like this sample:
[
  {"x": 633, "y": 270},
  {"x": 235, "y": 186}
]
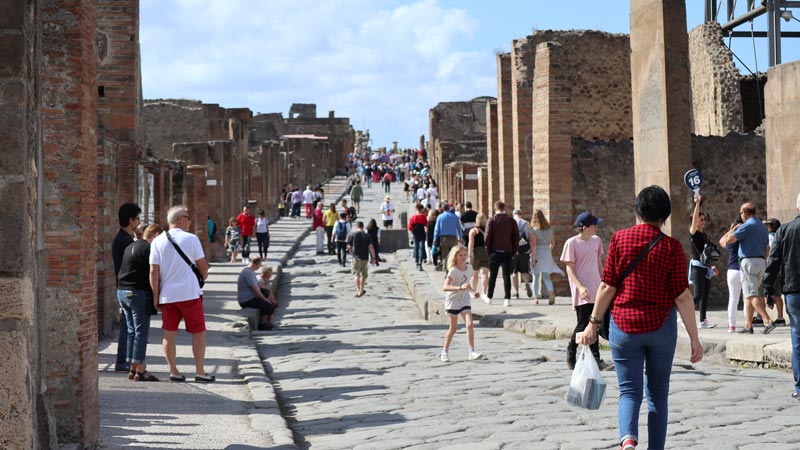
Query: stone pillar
[
  {"x": 195, "y": 190},
  {"x": 492, "y": 176},
  {"x": 782, "y": 106},
  {"x": 484, "y": 199},
  {"x": 522, "y": 58},
  {"x": 552, "y": 142},
  {"x": 69, "y": 127},
  {"x": 28, "y": 423},
  {"x": 662, "y": 108},
  {"x": 505, "y": 131}
]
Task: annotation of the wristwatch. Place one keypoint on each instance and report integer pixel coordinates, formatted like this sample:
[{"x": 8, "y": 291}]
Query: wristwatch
[{"x": 594, "y": 320}]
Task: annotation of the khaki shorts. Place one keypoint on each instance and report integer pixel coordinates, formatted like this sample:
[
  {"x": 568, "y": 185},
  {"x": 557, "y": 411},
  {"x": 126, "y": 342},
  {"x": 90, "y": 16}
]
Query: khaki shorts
[
  {"x": 752, "y": 270},
  {"x": 480, "y": 258},
  {"x": 360, "y": 267}
]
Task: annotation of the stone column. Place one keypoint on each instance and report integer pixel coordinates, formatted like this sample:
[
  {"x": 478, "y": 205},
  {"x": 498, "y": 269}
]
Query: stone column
[
  {"x": 22, "y": 308},
  {"x": 484, "y": 199},
  {"x": 505, "y": 131},
  {"x": 782, "y": 105},
  {"x": 492, "y": 176},
  {"x": 662, "y": 109},
  {"x": 552, "y": 142},
  {"x": 195, "y": 193},
  {"x": 522, "y": 59},
  {"x": 69, "y": 127}
]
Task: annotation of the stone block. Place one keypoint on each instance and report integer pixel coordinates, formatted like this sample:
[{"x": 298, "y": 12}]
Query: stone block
[
  {"x": 14, "y": 237},
  {"x": 744, "y": 351},
  {"x": 16, "y": 299},
  {"x": 394, "y": 239},
  {"x": 17, "y": 416},
  {"x": 782, "y": 106}
]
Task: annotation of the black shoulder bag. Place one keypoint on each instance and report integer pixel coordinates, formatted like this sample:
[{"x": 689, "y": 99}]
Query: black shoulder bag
[
  {"x": 606, "y": 325},
  {"x": 196, "y": 271}
]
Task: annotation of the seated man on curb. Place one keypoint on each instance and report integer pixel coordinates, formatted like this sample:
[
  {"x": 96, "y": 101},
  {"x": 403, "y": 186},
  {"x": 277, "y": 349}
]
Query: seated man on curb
[{"x": 251, "y": 293}]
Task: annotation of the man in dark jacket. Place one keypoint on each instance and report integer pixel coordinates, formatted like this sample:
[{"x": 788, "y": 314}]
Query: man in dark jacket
[
  {"x": 784, "y": 257},
  {"x": 501, "y": 244}
]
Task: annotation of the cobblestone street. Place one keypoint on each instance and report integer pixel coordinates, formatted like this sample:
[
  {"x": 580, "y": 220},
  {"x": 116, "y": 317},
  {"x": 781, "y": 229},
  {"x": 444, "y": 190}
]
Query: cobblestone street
[{"x": 364, "y": 373}]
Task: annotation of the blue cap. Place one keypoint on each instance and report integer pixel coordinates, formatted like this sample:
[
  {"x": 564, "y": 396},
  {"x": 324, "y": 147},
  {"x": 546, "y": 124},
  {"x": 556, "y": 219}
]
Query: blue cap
[{"x": 586, "y": 219}]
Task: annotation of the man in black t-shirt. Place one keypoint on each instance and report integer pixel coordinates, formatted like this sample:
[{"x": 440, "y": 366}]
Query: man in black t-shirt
[
  {"x": 128, "y": 216},
  {"x": 360, "y": 246},
  {"x": 468, "y": 219}
]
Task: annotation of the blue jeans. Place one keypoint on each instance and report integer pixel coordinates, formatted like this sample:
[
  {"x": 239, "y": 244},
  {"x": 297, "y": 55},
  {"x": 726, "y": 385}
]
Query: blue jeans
[
  {"x": 135, "y": 309},
  {"x": 793, "y": 310},
  {"x": 653, "y": 353},
  {"x": 548, "y": 283},
  {"x": 419, "y": 251},
  {"x": 122, "y": 340}
]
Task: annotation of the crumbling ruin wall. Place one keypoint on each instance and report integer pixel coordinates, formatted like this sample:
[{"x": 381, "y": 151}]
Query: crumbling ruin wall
[
  {"x": 457, "y": 133},
  {"x": 716, "y": 95},
  {"x": 169, "y": 121}
]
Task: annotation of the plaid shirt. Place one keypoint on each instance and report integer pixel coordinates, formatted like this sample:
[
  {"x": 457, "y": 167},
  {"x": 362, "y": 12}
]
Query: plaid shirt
[{"x": 648, "y": 294}]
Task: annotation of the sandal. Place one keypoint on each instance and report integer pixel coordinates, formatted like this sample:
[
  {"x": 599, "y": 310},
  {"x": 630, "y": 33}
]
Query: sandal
[
  {"x": 131, "y": 374},
  {"x": 144, "y": 376}
]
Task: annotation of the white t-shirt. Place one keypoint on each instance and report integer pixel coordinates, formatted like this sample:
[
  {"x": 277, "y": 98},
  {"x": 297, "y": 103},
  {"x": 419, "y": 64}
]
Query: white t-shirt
[
  {"x": 177, "y": 281},
  {"x": 387, "y": 210},
  {"x": 308, "y": 196},
  {"x": 421, "y": 194},
  {"x": 261, "y": 224}
]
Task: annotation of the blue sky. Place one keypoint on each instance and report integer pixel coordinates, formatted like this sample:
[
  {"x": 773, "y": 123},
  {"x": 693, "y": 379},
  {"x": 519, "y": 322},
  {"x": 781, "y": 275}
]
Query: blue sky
[{"x": 382, "y": 63}]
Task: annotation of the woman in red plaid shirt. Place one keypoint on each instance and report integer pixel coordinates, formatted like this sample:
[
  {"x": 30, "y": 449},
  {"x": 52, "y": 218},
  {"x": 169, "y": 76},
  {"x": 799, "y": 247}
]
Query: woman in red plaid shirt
[{"x": 643, "y": 330}]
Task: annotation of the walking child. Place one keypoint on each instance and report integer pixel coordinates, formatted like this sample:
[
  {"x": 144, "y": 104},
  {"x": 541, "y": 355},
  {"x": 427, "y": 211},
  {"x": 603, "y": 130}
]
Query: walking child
[
  {"x": 458, "y": 300},
  {"x": 233, "y": 238}
]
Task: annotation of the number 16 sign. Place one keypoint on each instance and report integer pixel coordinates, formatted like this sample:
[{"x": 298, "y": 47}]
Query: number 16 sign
[{"x": 693, "y": 179}]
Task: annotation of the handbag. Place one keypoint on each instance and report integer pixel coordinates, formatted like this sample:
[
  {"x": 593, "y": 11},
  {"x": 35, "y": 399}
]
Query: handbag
[
  {"x": 195, "y": 270},
  {"x": 605, "y": 327}
]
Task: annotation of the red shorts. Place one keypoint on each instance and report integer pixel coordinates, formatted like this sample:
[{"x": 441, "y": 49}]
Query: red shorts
[{"x": 191, "y": 311}]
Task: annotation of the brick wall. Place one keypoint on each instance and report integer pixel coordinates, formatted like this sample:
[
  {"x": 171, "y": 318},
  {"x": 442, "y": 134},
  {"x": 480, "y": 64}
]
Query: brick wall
[
  {"x": 716, "y": 98},
  {"x": 69, "y": 124},
  {"x": 492, "y": 175},
  {"x": 195, "y": 196},
  {"x": 522, "y": 60},
  {"x": 170, "y": 121},
  {"x": 505, "y": 130},
  {"x": 107, "y": 225}
]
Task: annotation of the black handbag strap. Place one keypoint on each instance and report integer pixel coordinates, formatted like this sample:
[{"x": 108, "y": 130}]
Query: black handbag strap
[
  {"x": 180, "y": 252},
  {"x": 640, "y": 257}
]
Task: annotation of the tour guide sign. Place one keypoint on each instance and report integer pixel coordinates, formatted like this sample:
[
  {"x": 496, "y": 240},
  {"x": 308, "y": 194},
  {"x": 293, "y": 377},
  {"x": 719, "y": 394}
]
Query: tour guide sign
[{"x": 694, "y": 179}]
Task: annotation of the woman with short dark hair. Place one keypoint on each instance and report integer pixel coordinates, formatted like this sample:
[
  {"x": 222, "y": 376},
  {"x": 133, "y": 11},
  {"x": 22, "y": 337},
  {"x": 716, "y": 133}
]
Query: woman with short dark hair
[{"x": 643, "y": 327}]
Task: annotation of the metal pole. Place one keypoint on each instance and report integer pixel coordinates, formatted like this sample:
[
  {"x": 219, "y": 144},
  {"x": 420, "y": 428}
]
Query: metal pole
[
  {"x": 730, "y": 10},
  {"x": 777, "y": 14},
  {"x": 711, "y": 10},
  {"x": 750, "y": 15},
  {"x": 771, "y": 32}
]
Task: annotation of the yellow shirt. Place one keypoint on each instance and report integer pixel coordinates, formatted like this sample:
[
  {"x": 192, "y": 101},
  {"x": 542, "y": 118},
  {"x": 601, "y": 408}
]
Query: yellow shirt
[{"x": 329, "y": 218}]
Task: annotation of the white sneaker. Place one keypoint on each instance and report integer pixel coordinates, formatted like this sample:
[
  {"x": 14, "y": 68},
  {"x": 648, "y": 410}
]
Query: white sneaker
[
  {"x": 506, "y": 302},
  {"x": 486, "y": 299},
  {"x": 474, "y": 356},
  {"x": 444, "y": 357},
  {"x": 706, "y": 324}
]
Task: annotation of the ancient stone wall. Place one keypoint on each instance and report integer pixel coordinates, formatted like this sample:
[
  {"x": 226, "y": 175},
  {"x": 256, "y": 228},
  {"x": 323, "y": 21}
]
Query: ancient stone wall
[
  {"x": 170, "y": 121},
  {"x": 505, "y": 131},
  {"x": 69, "y": 126},
  {"x": 523, "y": 55},
  {"x": 752, "y": 93},
  {"x": 26, "y": 419},
  {"x": 716, "y": 98}
]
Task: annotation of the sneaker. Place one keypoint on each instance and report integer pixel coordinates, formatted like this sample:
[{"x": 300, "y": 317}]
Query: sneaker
[
  {"x": 746, "y": 330},
  {"x": 780, "y": 322},
  {"x": 706, "y": 324},
  {"x": 528, "y": 290},
  {"x": 474, "y": 356},
  {"x": 758, "y": 322},
  {"x": 731, "y": 329},
  {"x": 486, "y": 299},
  {"x": 122, "y": 367},
  {"x": 768, "y": 328},
  {"x": 605, "y": 366},
  {"x": 552, "y": 299},
  {"x": 628, "y": 444},
  {"x": 443, "y": 356},
  {"x": 506, "y": 302}
]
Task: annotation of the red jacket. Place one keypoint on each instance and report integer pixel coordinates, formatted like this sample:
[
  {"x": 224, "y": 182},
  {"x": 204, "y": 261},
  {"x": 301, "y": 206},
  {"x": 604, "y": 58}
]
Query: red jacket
[{"x": 247, "y": 223}]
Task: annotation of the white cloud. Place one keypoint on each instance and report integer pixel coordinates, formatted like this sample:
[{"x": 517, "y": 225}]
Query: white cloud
[{"x": 381, "y": 63}]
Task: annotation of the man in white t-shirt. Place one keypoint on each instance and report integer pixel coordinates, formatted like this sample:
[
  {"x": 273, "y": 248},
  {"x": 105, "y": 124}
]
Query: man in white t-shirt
[
  {"x": 308, "y": 201},
  {"x": 387, "y": 212},
  {"x": 177, "y": 293}
]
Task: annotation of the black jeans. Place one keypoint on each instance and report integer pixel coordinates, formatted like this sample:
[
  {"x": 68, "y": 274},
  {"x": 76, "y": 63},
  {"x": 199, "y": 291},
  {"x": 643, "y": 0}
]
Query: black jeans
[
  {"x": 497, "y": 260},
  {"x": 582, "y": 313},
  {"x": 246, "y": 246},
  {"x": 331, "y": 243},
  {"x": 341, "y": 252},
  {"x": 263, "y": 244},
  {"x": 702, "y": 286}
]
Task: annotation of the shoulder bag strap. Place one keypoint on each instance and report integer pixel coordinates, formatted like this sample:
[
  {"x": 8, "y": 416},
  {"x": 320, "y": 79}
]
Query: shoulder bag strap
[
  {"x": 640, "y": 257},
  {"x": 180, "y": 252}
]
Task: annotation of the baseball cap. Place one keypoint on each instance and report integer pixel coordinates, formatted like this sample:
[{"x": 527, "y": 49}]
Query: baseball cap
[
  {"x": 586, "y": 219},
  {"x": 517, "y": 211}
]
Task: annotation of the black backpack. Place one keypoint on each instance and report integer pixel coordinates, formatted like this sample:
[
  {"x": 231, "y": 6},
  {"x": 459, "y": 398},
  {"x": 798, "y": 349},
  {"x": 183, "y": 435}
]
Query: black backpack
[
  {"x": 710, "y": 254},
  {"x": 352, "y": 211}
]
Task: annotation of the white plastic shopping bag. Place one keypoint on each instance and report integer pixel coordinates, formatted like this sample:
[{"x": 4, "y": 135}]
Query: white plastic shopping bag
[{"x": 587, "y": 388}]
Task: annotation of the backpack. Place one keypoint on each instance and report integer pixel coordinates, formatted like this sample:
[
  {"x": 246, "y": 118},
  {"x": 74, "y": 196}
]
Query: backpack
[
  {"x": 710, "y": 254},
  {"x": 352, "y": 211},
  {"x": 341, "y": 231}
]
